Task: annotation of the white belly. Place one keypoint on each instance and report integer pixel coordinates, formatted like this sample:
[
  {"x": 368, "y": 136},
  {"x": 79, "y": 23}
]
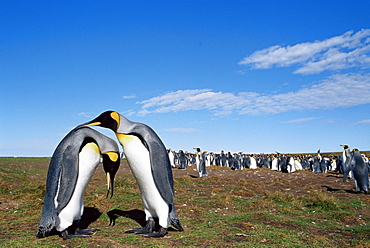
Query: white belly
[
  {"x": 298, "y": 165},
  {"x": 253, "y": 163},
  {"x": 274, "y": 165},
  {"x": 139, "y": 161},
  {"x": 88, "y": 161}
]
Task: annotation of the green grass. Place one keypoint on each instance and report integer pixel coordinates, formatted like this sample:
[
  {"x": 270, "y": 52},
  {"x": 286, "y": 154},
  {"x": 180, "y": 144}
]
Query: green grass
[{"x": 240, "y": 213}]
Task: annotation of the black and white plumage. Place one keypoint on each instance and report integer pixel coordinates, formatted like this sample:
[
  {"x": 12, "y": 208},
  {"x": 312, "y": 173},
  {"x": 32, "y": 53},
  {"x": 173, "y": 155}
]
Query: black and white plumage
[
  {"x": 360, "y": 172},
  {"x": 150, "y": 165},
  {"x": 71, "y": 168}
]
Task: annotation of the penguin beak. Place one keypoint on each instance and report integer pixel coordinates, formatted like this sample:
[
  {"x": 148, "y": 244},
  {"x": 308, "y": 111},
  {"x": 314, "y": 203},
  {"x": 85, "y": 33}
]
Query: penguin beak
[
  {"x": 93, "y": 124},
  {"x": 110, "y": 184},
  {"x": 111, "y": 163},
  {"x": 90, "y": 124}
]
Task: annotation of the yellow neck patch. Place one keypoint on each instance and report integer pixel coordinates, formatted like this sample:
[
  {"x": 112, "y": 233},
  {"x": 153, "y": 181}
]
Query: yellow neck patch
[
  {"x": 93, "y": 146},
  {"x": 112, "y": 156},
  {"x": 124, "y": 138},
  {"x": 115, "y": 116}
]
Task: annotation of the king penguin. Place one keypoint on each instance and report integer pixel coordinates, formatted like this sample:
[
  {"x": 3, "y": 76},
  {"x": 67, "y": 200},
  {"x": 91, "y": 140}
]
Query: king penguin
[
  {"x": 150, "y": 165},
  {"x": 346, "y": 158},
  {"x": 360, "y": 172},
  {"x": 70, "y": 171}
]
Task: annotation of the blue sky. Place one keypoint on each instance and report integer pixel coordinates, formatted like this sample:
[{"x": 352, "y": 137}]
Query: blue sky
[{"x": 251, "y": 76}]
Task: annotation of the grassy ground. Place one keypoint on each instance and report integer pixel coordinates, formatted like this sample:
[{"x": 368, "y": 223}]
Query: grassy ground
[{"x": 249, "y": 208}]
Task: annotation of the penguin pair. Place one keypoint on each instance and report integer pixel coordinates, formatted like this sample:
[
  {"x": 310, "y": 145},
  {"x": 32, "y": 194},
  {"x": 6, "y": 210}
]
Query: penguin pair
[
  {"x": 70, "y": 171},
  {"x": 149, "y": 162}
]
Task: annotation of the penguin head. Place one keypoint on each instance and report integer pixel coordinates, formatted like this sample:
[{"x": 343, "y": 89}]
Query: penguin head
[
  {"x": 111, "y": 163},
  {"x": 46, "y": 224},
  {"x": 108, "y": 119},
  {"x": 345, "y": 146}
]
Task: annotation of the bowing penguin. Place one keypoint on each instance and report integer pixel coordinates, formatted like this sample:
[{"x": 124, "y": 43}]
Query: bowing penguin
[{"x": 70, "y": 171}]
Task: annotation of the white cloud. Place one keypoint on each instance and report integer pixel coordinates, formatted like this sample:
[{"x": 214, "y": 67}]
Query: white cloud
[
  {"x": 337, "y": 91},
  {"x": 301, "y": 120},
  {"x": 129, "y": 97},
  {"x": 84, "y": 114},
  {"x": 340, "y": 52},
  {"x": 363, "y": 122}
]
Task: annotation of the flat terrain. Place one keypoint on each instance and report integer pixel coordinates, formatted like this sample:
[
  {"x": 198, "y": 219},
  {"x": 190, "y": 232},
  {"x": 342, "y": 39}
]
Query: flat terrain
[{"x": 248, "y": 208}]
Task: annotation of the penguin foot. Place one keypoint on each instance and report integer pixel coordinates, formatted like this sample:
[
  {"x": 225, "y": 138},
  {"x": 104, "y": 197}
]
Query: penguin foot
[
  {"x": 79, "y": 233},
  {"x": 161, "y": 233},
  {"x": 86, "y": 231},
  {"x": 141, "y": 230},
  {"x": 148, "y": 228},
  {"x": 66, "y": 235}
]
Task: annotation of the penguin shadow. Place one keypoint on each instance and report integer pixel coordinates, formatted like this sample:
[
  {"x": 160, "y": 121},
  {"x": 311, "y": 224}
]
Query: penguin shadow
[
  {"x": 330, "y": 189},
  {"x": 135, "y": 214},
  {"x": 353, "y": 191},
  {"x": 89, "y": 216},
  {"x": 335, "y": 176},
  {"x": 345, "y": 190}
]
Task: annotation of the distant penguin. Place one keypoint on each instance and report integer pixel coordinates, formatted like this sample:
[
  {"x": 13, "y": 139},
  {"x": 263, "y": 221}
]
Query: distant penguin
[
  {"x": 339, "y": 165},
  {"x": 305, "y": 164},
  {"x": 237, "y": 161},
  {"x": 316, "y": 164},
  {"x": 150, "y": 165},
  {"x": 283, "y": 163},
  {"x": 360, "y": 172},
  {"x": 71, "y": 168},
  {"x": 182, "y": 160},
  {"x": 171, "y": 156},
  {"x": 246, "y": 161},
  {"x": 201, "y": 162},
  {"x": 274, "y": 164},
  {"x": 298, "y": 164},
  {"x": 324, "y": 164},
  {"x": 253, "y": 164},
  {"x": 209, "y": 159},
  {"x": 346, "y": 158},
  {"x": 230, "y": 160},
  {"x": 333, "y": 164},
  {"x": 291, "y": 164},
  {"x": 222, "y": 159}
]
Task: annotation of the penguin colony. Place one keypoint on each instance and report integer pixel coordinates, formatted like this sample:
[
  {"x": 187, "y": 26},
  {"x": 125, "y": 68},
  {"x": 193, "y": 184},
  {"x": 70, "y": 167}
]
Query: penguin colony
[
  {"x": 80, "y": 152},
  {"x": 78, "y": 155},
  {"x": 351, "y": 164}
]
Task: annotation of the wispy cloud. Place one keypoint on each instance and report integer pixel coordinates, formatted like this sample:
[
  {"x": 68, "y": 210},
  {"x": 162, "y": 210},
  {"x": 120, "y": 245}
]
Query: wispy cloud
[
  {"x": 301, "y": 120},
  {"x": 129, "y": 97},
  {"x": 182, "y": 130},
  {"x": 340, "y": 52},
  {"x": 85, "y": 114},
  {"x": 363, "y": 122},
  {"x": 337, "y": 91}
]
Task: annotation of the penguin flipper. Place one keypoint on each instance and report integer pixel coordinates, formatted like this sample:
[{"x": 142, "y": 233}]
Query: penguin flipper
[
  {"x": 68, "y": 176},
  {"x": 350, "y": 165},
  {"x": 159, "y": 162}
]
